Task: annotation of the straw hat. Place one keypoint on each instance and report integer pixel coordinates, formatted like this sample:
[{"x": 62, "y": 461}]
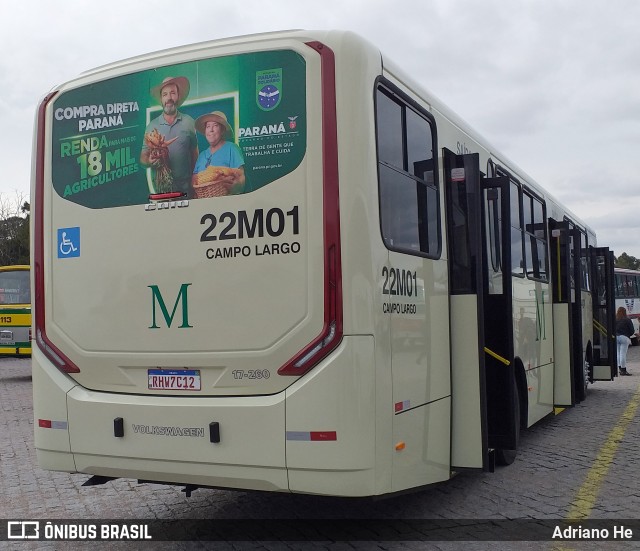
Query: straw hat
[
  {"x": 215, "y": 116},
  {"x": 183, "y": 89}
]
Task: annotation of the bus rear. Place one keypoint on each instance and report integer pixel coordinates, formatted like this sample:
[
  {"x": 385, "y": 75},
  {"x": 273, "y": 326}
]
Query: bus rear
[
  {"x": 15, "y": 310},
  {"x": 175, "y": 316}
]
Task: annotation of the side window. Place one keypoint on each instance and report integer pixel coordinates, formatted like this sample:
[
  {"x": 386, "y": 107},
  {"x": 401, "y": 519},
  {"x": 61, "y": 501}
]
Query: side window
[
  {"x": 493, "y": 208},
  {"x": 517, "y": 259},
  {"x": 619, "y": 286},
  {"x": 628, "y": 286},
  {"x": 389, "y": 121},
  {"x": 493, "y": 231},
  {"x": 409, "y": 201},
  {"x": 534, "y": 237},
  {"x": 584, "y": 263}
]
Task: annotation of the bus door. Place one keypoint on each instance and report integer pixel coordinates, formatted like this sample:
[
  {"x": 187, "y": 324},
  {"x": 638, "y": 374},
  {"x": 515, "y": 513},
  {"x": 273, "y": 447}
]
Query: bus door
[
  {"x": 582, "y": 370},
  {"x": 569, "y": 374},
  {"x": 604, "y": 337},
  {"x": 480, "y": 312},
  {"x": 502, "y": 257}
]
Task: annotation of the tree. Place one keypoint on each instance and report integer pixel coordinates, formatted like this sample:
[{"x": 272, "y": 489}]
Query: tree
[
  {"x": 627, "y": 261},
  {"x": 14, "y": 229}
]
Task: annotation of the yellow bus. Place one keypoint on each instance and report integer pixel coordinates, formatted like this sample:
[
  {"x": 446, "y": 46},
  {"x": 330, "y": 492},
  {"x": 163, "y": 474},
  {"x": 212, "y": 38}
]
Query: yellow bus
[
  {"x": 362, "y": 296},
  {"x": 15, "y": 310}
]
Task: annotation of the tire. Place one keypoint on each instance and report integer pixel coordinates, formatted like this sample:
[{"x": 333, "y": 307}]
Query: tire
[
  {"x": 583, "y": 381},
  {"x": 506, "y": 457}
]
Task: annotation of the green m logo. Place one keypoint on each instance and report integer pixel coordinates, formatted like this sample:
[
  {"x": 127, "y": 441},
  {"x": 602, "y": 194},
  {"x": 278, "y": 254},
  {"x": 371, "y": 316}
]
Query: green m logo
[{"x": 156, "y": 297}]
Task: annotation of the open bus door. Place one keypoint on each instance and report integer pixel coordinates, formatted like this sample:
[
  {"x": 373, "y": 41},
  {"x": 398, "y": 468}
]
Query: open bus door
[
  {"x": 504, "y": 403},
  {"x": 570, "y": 378},
  {"x": 604, "y": 316},
  {"x": 581, "y": 366},
  {"x": 483, "y": 387}
]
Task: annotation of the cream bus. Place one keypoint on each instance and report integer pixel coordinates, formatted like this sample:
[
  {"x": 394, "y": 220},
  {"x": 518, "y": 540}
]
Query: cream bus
[{"x": 276, "y": 262}]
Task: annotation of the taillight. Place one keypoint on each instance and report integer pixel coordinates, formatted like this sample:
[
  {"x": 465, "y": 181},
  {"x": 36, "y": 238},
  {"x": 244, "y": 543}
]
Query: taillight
[
  {"x": 331, "y": 333},
  {"x": 48, "y": 348}
]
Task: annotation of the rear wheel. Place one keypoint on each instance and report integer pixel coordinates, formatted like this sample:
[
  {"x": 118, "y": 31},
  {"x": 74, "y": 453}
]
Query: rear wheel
[
  {"x": 506, "y": 457},
  {"x": 583, "y": 381}
]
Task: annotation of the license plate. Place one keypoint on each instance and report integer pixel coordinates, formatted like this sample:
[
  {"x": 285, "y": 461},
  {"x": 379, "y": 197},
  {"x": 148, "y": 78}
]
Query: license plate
[{"x": 175, "y": 379}]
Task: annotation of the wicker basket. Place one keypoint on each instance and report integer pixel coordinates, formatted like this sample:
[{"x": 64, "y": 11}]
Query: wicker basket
[{"x": 210, "y": 189}]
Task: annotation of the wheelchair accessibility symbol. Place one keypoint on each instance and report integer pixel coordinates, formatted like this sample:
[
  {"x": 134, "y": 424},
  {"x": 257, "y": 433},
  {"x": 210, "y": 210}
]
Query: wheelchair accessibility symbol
[{"x": 68, "y": 242}]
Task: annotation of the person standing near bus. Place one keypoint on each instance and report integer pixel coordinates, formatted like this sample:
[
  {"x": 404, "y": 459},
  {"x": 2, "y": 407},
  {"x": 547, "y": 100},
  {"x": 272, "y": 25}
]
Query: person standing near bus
[
  {"x": 624, "y": 332},
  {"x": 178, "y": 136}
]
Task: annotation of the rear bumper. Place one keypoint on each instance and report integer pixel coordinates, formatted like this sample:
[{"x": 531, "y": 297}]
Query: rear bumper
[
  {"x": 172, "y": 443},
  {"x": 263, "y": 444}
]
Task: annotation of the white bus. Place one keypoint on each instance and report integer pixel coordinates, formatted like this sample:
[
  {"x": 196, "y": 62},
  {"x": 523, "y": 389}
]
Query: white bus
[
  {"x": 627, "y": 290},
  {"x": 373, "y": 300}
]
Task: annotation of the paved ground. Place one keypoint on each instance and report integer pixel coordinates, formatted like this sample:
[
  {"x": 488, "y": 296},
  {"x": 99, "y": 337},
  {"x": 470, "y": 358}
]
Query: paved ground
[{"x": 555, "y": 459}]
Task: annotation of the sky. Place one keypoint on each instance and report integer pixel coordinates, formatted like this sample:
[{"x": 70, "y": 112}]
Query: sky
[{"x": 552, "y": 84}]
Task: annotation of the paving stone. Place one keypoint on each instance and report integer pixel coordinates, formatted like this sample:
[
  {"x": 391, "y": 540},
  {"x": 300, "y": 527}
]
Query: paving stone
[{"x": 553, "y": 460}]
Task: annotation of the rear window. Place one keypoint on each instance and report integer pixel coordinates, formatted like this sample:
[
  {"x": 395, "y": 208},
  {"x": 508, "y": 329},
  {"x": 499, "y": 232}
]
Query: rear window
[{"x": 203, "y": 129}]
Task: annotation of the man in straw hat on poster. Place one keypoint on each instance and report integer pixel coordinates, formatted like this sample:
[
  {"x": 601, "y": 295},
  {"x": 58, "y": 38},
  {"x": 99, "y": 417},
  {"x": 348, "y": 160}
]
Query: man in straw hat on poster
[{"x": 170, "y": 145}]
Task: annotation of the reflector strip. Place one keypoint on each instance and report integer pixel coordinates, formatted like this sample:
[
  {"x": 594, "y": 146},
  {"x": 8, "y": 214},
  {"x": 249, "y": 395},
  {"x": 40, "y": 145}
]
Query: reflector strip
[
  {"x": 313, "y": 436},
  {"x": 401, "y": 406},
  {"x": 328, "y": 435},
  {"x": 47, "y": 424}
]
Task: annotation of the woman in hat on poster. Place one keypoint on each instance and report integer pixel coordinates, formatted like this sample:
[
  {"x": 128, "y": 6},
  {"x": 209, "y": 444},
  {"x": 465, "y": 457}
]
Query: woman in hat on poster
[{"x": 219, "y": 169}]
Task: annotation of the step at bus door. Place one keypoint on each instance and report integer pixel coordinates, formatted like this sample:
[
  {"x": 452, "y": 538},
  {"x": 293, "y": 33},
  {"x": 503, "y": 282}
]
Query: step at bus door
[
  {"x": 604, "y": 339},
  {"x": 480, "y": 312}
]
